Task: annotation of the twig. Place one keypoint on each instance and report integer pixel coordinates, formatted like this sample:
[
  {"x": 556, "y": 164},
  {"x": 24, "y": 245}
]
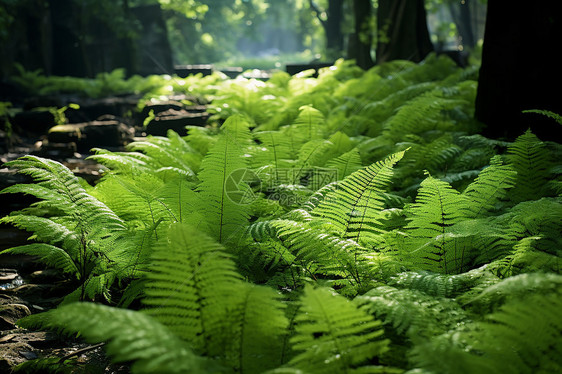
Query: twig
[{"x": 80, "y": 351}]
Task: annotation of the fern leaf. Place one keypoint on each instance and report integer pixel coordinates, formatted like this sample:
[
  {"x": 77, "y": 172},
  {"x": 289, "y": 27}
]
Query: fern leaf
[
  {"x": 322, "y": 253},
  {"x": 275, "y": 150},
  {"x": 257, "y": 329},
  {"x": 431, "y": 242},
  {"x": 308, "y": 125},
  {"x": 522, "y": 337},
  {"x": 333, "y": 335},
  {"x": 170, "y": 151},
  {"x": 517, "y": 287},
  {"x": 131, "y": 336},
  {"x": 355, "y": 205},
  {"x": 336, "y": 169},
  {"x": 44, "y": 229},
  {"x": 49, "y": 255},
  {"x": 56, "y": 182},
  {"x": 225, "y": 217},
  {"x": 188, "y": 287},
  {"x": 531, "y": 160},
  {"x": 547, "y": 113},
  {"x": 489, "y": 188},
  {"x": 441, "y": 285},
  {"x": 411, "y": 312}
]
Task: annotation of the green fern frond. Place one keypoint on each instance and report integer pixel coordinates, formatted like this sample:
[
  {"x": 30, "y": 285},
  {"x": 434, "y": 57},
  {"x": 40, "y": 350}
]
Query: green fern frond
[
  {"x": 547, "y": 113},
  {"x": 354, "y": 207},
  {"x": 522, "y": 337},
  {"x": 410, "y": 312},
  {"x": 84, "y": 230},
  {"x": 275, "y": 150},
  {"x": 200, "y": 138},
  {"x": 132, "y": 197},
  {"x": 489, "y": 188},
  {"x": 337, "y": 169},
  {"x": 531, "y": 160},
  {"x": 189, "y": 285},
  {"x": 121, "y": 162},
  {"x": 526, "y": 258},
  {"x": 130, "y": 336},
  {"x": 50, "y": 255},
  {"x": 222, "y": 183},
  {"x": 168, "y": 152},
  {"x": 441, "y": 285},
  {"x": 56, "y": 184},
  {"x": 312, "y": 153},
  {"x": 257, "y": 330},
  {"x": 321, "y": 253},
  {"x": 431, "y": 242},
  {"x": 317, "y": 197},
  {"x": 333, "y": 335},
  {"x": 515, "y": 288},
  {"x": 44, "y": 229},
  {"x": 419, "y": 115}
]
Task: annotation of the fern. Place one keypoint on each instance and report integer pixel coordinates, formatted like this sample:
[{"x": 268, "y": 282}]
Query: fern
[
  {"x": 79, "y": 237},
  {"x": 354, "y": 207},
  {"x": 170, "y": 153},
  {"x": 188, "y": 286},
  {"x": 130, "y": 337},
  {"x": 522, "y": 337},
  {"x": 530, "y": 159},
  {"x": 410, "y": 312},
  {"x": 419, "y": 115},
  {"x": 334, "y": 336},
  {"x": 489, "y": 188},
  {"x": 441, "y": 285},
  {"x": 223, "y": 218},
  {"x": 514, "y": 288},
  {"x": 547, "y": 113},
  {"x": 257, "y": 330},
  {"x": 431, "y": 243}
]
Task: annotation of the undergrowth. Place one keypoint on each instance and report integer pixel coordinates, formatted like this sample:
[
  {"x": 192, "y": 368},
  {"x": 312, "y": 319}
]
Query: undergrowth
[{"x": 353, "y": 223}]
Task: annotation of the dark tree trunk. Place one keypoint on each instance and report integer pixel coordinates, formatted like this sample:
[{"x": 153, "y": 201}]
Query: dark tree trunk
[
  {"x": 402, "y": 31},
  {"x": 333, "y": 29},
  {"x": 362, "y": 38},
  {"x": 331, "y": 25},
  {"x": 520, "y": 69}
]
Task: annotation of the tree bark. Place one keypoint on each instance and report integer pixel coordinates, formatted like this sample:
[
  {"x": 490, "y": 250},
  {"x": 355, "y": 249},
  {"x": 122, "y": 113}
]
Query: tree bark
[
  {"x": 402, "y": 31},
  {"x": 520, "y": 69},
  {"x": 331, "y": 25},
  {"x": 362, "y": 39}
]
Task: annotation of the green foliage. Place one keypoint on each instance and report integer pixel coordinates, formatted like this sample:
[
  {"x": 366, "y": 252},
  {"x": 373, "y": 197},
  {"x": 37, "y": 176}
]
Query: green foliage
[
  {"x": 354, "y": 207},
  {"x": 303, "y": 235},
  {"x": 430, "y": 241},
  {"x": 530, "y": 159},
  {"x": 75, "y": 232},
  {"x": 334, "y": 336},
  {"x": 130, "y": 336}
]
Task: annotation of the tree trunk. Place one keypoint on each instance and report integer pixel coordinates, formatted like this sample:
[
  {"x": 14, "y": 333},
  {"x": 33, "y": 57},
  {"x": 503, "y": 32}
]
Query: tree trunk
[
  {"x": 520, "y": 69},
  {"x": 331, "y": 25},
  {"x": 402, "y": 31},
  {"x": 362, "y": 39},
  {"x": 334, "y": 35}
]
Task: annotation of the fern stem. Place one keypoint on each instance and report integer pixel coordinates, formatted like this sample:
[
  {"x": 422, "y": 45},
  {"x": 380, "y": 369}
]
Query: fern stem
[{"x": 223, "y": 184}]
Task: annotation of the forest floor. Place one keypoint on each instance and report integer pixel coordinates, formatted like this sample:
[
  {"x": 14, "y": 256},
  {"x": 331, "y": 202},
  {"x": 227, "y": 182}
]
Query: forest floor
[{"x": 27, "y": 287}]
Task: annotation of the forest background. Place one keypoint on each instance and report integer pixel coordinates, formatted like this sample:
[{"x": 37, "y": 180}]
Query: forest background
[{"x": 85, "y": 37}]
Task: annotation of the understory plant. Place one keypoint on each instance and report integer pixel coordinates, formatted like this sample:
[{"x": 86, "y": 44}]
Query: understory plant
[{"x": 354, "y": 223}]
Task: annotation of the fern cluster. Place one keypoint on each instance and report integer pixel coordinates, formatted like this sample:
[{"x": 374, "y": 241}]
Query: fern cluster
[{"x": 354, "y": 223}]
